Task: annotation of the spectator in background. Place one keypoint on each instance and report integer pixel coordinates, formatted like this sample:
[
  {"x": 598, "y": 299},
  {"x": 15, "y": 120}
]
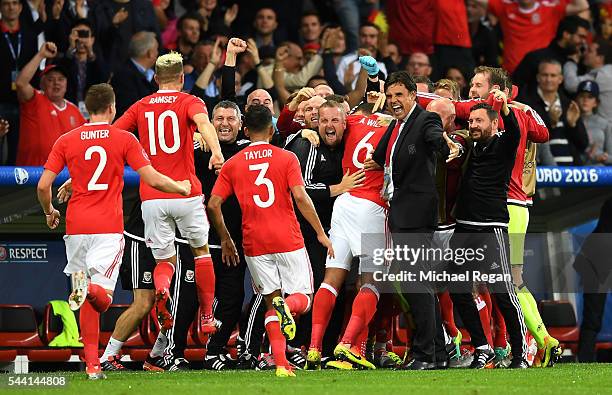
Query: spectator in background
[
  {"x": 528, "y": 25},
  {"x": 605, "y": 22},
  {"x": 423, "y": 84},
  {"x": 597, "y": 60},
  {"x": 350, "y": 13},
  {"x": 349, "y": 66},
  {"x": 599, "y": 129},
  {"x": 85, "y": 67},
  {"x": 411, "y": 25},
  {"x": 452, "y": 41},
  {"x": 134, "y": 80},
  {"x": 289, "y": 61},
  {"x": 310, "y": 28},
  {"x": 189, "y": 27},
  {"x": 264, "y": 25},
  {"x": 64, "y": 14},
  {"x": 17, "y": 47},
  {"x": 571, "y": 39},
  {"x": 333, "y": 45},
  {"x": 115, "y": 22},
  {"x": 200, "y": 58},
  {"x": 394, "y": 54},
  {"x": 456, "y": 74},
  {"x": 485, "y": 40},
  {"x": 44, "y": 115},
  {"x": 568, "y": 136},
  {"x": 419, "y": 65}
]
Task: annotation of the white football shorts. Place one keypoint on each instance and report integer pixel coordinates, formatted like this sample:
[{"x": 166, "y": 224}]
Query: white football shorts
[{"x": 289, "y": 272}]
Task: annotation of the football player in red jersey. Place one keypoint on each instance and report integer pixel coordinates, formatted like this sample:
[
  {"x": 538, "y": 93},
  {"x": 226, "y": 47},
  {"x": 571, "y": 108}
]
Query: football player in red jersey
[
  {"x": 263, "y": 178},
  {"x": 95, "y": 154}
]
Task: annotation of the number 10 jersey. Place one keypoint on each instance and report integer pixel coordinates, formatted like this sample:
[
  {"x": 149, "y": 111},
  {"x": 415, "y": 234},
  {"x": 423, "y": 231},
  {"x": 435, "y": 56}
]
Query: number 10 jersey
[{"x": 165, "y": 129}]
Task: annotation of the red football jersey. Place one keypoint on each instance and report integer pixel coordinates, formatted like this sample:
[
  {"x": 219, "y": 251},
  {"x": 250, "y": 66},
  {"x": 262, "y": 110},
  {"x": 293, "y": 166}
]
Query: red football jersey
[
  {"x": 96, "y": 154},
  {"x": 526, "y": 30},
  {"x": 362, "y": 135},
  {"x": 165, "y": 127},
  {"x": 261, "y": 176}
]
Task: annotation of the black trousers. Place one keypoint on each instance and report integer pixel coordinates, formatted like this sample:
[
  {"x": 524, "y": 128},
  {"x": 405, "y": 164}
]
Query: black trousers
[
  {"x": 493, "y": 244},
  {"x": 229, "y": 296},
  {"x": 428, "y": 335},
  {"x": 318, "y": 255},
  {"x": 252, "y": 327},
  {"x": 184, "y": 303},
  {"x": 592, "y": 315}
]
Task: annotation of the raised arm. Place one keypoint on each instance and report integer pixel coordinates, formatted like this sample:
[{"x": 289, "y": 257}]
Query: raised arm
[{"x": 25, "y": 91}]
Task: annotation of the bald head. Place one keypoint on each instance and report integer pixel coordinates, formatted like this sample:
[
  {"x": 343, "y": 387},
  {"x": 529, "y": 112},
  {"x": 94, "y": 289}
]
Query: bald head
[
  {"x": 446, "y": 110},
  {"x": 260, "y": 96}
]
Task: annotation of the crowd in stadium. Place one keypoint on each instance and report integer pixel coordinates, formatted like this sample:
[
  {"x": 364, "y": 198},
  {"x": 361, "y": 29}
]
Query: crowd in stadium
[{"x": 539, "y": 70}]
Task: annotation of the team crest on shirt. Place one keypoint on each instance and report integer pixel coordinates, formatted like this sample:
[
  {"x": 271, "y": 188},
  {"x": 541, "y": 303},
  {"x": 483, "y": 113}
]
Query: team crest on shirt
[
  {"x": 146, "y": 278},
  {"x": 189, "y": 276},
  {"x": 536, "y": 19},
  {"x": 72, "y": 121},
  {"x": 411, "y": 149},
  {"x": 54, "y": 113}
]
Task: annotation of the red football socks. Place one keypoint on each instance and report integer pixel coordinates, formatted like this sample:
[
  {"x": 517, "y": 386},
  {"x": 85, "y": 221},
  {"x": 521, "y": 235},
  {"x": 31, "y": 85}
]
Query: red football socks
[
  {"x": 448, "y": 316},
  {"x": 364, "y": 307},
  {"x": 162, "y": 275},
  {"x": 322, "y": 307},
  {"x": 499, "y": 325},
  {"x": 90, "y": 332},
  {"x": 205, "y": 283},
  {"x": 298, "y": 304},
  {"x": 98, "y": 297},
  {"x": 485, "y": 319},
  {"x": 276, "y": 338}
]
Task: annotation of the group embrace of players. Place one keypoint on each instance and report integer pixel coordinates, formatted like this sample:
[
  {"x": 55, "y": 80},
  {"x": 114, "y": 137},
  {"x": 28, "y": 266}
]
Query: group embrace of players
[{"x": 268, "y": 182}]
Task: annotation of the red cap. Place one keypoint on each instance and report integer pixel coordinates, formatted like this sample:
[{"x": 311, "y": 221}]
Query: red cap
[
  {"x": 311, "y": 47},
  {"x": 54, "y": 67}
]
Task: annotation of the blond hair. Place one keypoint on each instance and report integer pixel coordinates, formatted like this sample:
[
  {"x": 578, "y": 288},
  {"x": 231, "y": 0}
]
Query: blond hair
[{"x": 169, "y": 67}]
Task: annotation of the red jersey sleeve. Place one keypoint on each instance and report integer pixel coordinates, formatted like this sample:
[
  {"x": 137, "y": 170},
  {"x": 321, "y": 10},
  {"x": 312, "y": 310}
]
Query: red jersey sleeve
[
  {"x": 57, "y": 159},
  {"x": 196, "y": 106},
  {"x": 223, "y": 186},
  {"x": 536, "y": 128},
  {"x": 129, "y": 120},
  {"x": 135, "y": 155},
  {"x": 294, "y": 172}
]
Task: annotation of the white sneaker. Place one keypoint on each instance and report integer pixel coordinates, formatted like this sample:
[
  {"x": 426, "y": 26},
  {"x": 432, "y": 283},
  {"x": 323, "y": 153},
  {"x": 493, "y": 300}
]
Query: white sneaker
[{"x": 79, "y": 290}]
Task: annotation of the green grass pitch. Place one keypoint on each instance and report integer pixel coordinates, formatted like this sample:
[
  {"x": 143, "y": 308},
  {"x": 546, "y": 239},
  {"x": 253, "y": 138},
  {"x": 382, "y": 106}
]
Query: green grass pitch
[{"x": 562, "y": 379}]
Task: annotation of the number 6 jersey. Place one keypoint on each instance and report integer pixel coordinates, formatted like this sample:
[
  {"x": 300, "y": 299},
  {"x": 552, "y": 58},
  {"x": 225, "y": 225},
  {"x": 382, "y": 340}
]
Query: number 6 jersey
[
  {"x": 96, "y": 154},
  {"x": 165, "y": 125},
  {"x": 261, "y": 176}
]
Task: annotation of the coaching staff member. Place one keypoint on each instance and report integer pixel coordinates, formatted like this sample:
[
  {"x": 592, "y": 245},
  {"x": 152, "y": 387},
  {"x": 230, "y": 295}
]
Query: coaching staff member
[{"x": 407, "y": 152}]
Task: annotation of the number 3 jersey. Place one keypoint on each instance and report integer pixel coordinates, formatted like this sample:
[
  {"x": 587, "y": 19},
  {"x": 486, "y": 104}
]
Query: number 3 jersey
[
  {"x": 362, "y": 135},
  {"x": 96, "y": 154},
  {"x": 261, "y": 176},
  {"x": 165, "y": 125}
]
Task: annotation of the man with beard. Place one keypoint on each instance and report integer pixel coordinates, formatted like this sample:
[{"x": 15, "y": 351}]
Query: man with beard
[
  {"x": 322, "y": 171},
  {"x": 482, "y": 224}
]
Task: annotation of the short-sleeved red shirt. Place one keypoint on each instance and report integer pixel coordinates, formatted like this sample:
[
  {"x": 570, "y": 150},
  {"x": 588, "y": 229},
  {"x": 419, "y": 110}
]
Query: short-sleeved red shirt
[
  {"x": 96, "y": 154},
  {"x": 526, "y": 30},
  {"x": 261, "y": 176},
  {"x": 165, "y": 128},
  {"x": 40, "y": 124}
]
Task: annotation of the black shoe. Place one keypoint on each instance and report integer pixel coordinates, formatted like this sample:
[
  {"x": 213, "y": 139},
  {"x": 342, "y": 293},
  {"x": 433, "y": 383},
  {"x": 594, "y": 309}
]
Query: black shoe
[
  {"x": 418, "y": 365},
  {"x": 296, "y": 358},
  {"x": 156, "y": 364},
  {"x": 218, "y": 362},
  {"x": 266, "y": 362},
  {"x": 482, "y": 359},
  {"x": 112, "y": 364},
  {"x": 246, "y": 362},
  {"x": 519, "y": 363},
  {"x": 179, "y": 364}
]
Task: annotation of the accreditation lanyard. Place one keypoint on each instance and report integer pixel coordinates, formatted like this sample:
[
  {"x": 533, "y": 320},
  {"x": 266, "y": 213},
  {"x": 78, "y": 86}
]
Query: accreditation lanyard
[{"x": 14, "y": 54}]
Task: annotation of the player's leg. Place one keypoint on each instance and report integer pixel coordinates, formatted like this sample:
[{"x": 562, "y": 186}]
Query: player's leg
[
  {"x": 337, "y": 269},
  {"x": 517, "y": 228},
  {"x": 191, "y": 220},
  {"x": 104, "y": 254},
  {"x": 229, "y": 291},
  {"x": 251, "y": 333},
  {"x": 507, "y": 300},
  {"x": 136, "y": 274},
  {"x": 384, "y": 357},
  {"x": 159, "y": 231},
  {"x": 267, "y": 281}
]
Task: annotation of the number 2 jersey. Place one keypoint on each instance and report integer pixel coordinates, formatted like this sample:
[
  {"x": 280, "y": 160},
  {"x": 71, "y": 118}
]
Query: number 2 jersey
[
  {"x": 261, "y": 177},
  {"x": 362, "y": 134},
  {"x": 165, "y": 125},
  {"x": 96, "y": 154}
]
